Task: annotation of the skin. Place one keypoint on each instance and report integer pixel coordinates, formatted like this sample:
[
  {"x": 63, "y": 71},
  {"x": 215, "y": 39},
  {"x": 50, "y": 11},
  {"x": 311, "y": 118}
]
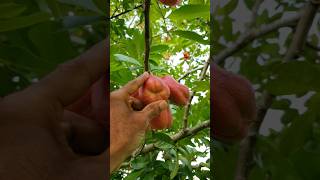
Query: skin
[
  {"x": 129, "y": 126},
  {"x": 43, "y": 137}
]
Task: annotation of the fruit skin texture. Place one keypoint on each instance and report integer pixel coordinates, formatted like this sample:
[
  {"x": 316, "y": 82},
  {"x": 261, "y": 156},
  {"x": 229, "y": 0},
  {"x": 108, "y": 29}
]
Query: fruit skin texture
[
  {"x": 179, "y": 93},
  {"x": 154, "y": 89},
  {"x": 234, "y": 106},
  {"x": 164, "y": 120},
  {"x": 170, "y": 2}
]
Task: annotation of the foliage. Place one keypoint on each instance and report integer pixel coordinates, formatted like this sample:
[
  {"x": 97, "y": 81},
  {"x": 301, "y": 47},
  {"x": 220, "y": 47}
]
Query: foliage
[
  {"x": 38, "y": 35},
  {"x": 173, "y": 31},
  {"x": 293, "y": 152}
]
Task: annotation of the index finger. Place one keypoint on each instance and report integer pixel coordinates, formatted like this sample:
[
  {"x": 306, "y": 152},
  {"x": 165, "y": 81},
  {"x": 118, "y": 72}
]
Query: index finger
[
  {"x": 134, "y": 85},
  {"x": 72, "y": 79}
]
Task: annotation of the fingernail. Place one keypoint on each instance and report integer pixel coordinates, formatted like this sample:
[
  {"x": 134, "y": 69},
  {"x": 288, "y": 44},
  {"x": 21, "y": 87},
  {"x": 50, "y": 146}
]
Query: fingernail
[
  {"x": 145, "y": 74},
  {"x": 163, "y": 105}
]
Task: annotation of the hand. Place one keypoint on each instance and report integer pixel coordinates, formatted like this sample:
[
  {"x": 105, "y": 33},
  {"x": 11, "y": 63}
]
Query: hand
[
  {"x": 41, "y": 139},
  {"x": 127, "y": 125}
]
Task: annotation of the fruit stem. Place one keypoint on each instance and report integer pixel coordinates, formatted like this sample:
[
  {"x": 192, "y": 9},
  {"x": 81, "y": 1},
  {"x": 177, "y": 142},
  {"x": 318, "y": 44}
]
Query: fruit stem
[{"x": 146, "y": 34}]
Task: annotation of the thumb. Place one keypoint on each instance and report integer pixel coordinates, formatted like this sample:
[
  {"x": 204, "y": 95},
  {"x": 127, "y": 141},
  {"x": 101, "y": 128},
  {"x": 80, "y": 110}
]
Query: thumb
[{"x": 154, "y": 109}]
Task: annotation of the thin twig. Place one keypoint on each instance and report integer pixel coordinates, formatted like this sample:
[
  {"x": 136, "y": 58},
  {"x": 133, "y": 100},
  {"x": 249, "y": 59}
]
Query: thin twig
[
  {"x": 254, "y": 12},
  {"x": 180, "y": 135},
  {"x": 314, "y": 47},
  {"x": 301, "y": 31},
  {"x": 188, "y": 106},
  {"x": 252, "y": 34},
  {"x": 125, "y": 12},
  {"x": 164, "y": 21},
  {"x": 189, "y": 72},
  {"x": 175, "y": 138}
]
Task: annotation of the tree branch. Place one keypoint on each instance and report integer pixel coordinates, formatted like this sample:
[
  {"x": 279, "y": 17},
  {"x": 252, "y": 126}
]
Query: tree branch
[
  {"x": 314, "y": 47},
  {"x": 252, "y": 34},
  {"x": 146, "y": 34},
  {"x": 245, "y": 158},
  {"x": 125, "y": 12},
  {"x": 254, "y": 12},
  {"x": 244, "y": 163},
  {"x": 180, "y": 135},
  {"x": 189, "y": 72},
  {"x": 301, "y": 31},
  {"x": 164, "y": 20},
  {"x": 188, "y": 107}
]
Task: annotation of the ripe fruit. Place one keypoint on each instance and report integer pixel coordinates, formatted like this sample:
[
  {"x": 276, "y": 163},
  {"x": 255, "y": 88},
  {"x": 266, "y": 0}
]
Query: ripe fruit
[
  {"x": 186, "y": 55},
  {"x": 233, "y": 105},
  {"x": 170, "y": 2},
  {"x": 165, "y": 88},
  {"x": 154, "y": 89},
  {"x": 179, "y": 94},
  {"x": 164, "y": 120}
]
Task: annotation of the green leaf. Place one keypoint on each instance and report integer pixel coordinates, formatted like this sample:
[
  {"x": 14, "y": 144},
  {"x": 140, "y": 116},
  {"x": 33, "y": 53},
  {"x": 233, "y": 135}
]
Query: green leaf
[
  {"x": 86, "y": 4},
  {"x": 249, "y": 3},
  {"x": 134, "y": 175},
  {"x": 176, "y": 168},
  {"x": 228, "y": 8},
  {"x": 299, "y": 130},
  {"x": 22, "y": 22},
  {"x": 191, "y": 11},
  {"x": 60, "y": 47},
  {"x": 24, "y": 60},
  {"x": 54, "y": 7},
  {"x": 9, "y": 10},
  {"x": 75, "y": 21},
  {"x": 159, "y": 48},
  {"x": 199, "y": 86},
  {"x": 163, "y": 141},
  {"x": 124, "y": 58},
  {"x": 139, "y": 163},
  {"x": 192, "y": 36},
  {"x": 288, "y": 78},
  {"x": 280, "y": 104},
  {"x": 163, "y": 137}
]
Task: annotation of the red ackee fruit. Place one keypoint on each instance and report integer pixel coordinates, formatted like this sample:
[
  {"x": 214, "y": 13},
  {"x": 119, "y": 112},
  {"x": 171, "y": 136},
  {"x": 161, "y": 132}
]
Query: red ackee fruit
[
  {"x": 179, "y": 93},
  {"x": 233, "y": 105}
]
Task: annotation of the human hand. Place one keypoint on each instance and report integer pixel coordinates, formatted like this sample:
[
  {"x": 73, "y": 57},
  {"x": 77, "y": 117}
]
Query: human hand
[
  {"x": 40, "y": 138},
  {"x": 127, "y": 125}
]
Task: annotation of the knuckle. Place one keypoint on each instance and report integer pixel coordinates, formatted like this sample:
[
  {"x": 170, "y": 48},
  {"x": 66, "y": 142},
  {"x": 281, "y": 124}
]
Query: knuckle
[{"x": 74, "y": 66}]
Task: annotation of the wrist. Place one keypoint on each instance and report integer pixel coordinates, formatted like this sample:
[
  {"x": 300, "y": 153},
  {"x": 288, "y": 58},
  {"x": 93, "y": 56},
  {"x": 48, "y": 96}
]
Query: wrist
[{"x": 118, "y": 154}]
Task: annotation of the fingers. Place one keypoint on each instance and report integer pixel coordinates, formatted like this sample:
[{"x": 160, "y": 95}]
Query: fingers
[
  {"x": 90, "y": 167},
  {"x": 134, "y": 85},
  {"x": 99, "y": 100},
  {"x": 72, "y": 79},
  {"x": 154, "y": 109},
  {"x": 135, "y": 104},
  {"x": 85, "y": 136}
]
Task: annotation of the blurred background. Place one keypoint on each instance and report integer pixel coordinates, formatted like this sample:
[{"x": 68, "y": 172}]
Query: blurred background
[
  {"x": 37, "y": 35},
  {"x": 278, "y": 51}
]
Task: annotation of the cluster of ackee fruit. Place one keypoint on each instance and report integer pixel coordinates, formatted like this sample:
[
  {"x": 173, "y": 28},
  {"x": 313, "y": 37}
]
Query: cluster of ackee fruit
[{"x": 164, "y": 88}]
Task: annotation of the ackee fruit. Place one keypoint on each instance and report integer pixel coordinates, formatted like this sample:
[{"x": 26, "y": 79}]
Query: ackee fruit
[
  {"x": 234, "y": 105},
  {"x": 170, "y": 2},
  {"x": 179, "y": 93},
  {"x": 165, "y": 88}
]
